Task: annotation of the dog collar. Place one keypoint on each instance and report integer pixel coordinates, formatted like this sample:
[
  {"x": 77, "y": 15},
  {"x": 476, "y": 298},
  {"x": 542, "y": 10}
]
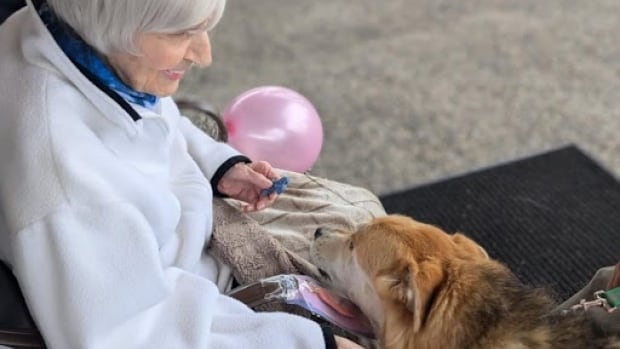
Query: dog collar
[{"x": 305, "y": 292}]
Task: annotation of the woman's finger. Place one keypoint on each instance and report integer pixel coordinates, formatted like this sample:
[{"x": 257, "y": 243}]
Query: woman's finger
[{"x": 266, "y": 169}]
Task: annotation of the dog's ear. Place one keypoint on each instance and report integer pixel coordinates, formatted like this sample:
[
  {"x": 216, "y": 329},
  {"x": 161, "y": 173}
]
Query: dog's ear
[
  {"x": 414, "y": 285},
  {"x": 469, "y": 246}
]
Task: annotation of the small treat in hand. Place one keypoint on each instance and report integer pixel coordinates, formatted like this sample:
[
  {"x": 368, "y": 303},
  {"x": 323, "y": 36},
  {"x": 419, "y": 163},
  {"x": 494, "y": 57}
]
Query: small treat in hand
[{"x": 278, "y": 186}]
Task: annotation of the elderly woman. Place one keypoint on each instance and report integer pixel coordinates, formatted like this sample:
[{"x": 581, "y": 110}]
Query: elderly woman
[{"x": 106, "y": 190}]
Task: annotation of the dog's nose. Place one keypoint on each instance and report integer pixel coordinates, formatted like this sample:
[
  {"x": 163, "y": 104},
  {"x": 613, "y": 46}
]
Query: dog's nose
[{"x": 318, "y": 233}]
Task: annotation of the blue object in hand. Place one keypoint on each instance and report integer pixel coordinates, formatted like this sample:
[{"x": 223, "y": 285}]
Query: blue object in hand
[{"x": 278, "y": 186}]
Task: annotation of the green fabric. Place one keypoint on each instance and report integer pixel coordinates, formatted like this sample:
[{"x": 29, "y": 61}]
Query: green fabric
[{"x": 613, "y": 297}]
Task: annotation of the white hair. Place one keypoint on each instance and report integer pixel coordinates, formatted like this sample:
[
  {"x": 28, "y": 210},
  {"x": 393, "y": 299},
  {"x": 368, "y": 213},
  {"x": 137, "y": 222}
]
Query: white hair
[{"x": 113, "y": 25}]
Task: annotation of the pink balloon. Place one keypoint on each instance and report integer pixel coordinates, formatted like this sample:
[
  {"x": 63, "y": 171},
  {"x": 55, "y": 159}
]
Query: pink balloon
[{"x": 275, "y": 124}]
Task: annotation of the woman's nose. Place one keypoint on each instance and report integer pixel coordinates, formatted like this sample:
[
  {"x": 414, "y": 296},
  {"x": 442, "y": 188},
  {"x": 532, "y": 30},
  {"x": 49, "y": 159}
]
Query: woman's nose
[{"x": 199, "y": 50}]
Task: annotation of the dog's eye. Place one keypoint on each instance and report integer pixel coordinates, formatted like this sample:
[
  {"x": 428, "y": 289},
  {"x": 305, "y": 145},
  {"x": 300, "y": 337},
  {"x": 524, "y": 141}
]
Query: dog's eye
[{"x": 351, "y": 245}]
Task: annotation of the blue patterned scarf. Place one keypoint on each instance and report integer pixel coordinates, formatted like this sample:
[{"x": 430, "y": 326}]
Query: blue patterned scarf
[{"x": 84, "y": 55}]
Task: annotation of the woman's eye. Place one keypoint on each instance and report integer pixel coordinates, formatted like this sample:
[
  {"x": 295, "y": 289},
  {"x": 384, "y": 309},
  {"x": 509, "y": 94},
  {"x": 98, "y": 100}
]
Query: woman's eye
[{"x": 183, "y": 34}]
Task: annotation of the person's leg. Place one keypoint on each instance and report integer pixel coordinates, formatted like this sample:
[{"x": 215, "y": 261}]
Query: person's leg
[
  {"x": 7, "y": 7},
  {"x": 277, "y": 240}
]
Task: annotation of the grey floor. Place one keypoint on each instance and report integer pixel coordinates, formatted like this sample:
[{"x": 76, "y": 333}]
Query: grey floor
[{"x": 412, "y": 91}]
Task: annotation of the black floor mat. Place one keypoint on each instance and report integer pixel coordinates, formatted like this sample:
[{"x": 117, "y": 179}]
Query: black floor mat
[{"x": 552, "y": 218}]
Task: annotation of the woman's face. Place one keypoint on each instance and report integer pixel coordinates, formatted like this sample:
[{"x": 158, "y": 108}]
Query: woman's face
[{"x": 165, "y": 59}]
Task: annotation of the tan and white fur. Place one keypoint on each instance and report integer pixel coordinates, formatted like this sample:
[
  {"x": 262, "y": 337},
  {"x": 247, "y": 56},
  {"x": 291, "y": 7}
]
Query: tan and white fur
[{"x": 423, "y": 288}]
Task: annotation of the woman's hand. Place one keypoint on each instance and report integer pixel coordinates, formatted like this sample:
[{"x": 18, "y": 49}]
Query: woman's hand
[
  {"x": 344, "y": 343},
  {"x": 245, "y": 181}
]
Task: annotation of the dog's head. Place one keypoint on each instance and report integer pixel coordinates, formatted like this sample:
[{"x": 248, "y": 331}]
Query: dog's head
[{"x": 394, "y": 267}]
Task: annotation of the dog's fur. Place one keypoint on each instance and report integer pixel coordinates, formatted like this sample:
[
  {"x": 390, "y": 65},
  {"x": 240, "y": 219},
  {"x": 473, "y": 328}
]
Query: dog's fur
[{"x": 425, "y": 289}]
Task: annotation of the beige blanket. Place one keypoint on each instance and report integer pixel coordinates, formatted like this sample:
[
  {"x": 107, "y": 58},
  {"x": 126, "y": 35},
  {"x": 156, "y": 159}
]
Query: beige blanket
[{"x": 276, "y": 240}]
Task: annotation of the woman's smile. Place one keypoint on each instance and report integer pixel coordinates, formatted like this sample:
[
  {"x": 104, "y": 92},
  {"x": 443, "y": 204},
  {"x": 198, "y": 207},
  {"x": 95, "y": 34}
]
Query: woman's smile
[{"x": 174, "y": 74}]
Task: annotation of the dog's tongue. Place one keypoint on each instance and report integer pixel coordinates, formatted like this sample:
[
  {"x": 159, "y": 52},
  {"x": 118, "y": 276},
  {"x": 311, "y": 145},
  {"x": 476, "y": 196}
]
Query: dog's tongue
[
  {"x": 339, "y": 304},
  {"x": 330, "y": 306}
]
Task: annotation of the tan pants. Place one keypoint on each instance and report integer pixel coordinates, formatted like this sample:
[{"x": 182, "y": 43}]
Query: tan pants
[{"x": 277, "y": 240}]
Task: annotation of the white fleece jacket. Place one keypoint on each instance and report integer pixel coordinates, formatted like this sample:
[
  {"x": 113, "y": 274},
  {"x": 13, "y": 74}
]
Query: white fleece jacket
[{"x": 104, "y": 219}]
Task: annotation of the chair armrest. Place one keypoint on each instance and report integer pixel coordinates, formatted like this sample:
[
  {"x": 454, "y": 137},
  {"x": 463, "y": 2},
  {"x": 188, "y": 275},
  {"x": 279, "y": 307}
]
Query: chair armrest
[
  {"x": 205, "y": 116},
  {"x": 21, "y": 339}
]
